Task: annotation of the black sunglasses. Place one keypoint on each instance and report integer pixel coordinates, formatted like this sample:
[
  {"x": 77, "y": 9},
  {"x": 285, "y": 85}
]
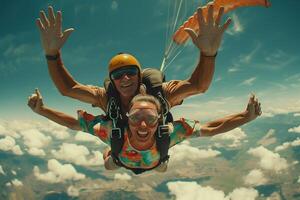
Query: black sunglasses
[{"x": 129, "y": 71}]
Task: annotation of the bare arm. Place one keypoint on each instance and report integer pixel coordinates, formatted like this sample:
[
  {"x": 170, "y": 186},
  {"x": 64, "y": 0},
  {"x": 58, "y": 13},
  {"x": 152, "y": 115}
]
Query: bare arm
[
  {"x": 35, "y": 102},
  {"x": 208, "y": 41},
  {"x": 232, "y": 121},
  {"x": 53, "y": 39},
  {"x": 66, "y": 84}
]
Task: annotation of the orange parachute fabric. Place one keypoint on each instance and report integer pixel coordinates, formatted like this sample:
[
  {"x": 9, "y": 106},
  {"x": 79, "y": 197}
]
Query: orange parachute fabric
[{"x": 180, "y": 36}]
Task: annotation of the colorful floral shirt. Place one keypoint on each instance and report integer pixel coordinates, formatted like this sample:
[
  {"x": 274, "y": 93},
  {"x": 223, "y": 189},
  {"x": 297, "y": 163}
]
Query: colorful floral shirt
[{"x": 129, "y": 156}]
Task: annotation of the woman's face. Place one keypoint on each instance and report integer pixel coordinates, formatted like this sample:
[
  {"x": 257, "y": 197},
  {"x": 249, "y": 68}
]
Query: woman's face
[{"x": 143, "y": 121}]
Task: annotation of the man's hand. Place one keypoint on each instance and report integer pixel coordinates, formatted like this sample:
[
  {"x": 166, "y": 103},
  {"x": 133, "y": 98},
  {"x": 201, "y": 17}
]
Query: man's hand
[
  {"x": 50, "y": 28},
  {"x": 209, "y": 38},
  {"x": 253, "y": 108},
  {"x": 35, "y": 101}
]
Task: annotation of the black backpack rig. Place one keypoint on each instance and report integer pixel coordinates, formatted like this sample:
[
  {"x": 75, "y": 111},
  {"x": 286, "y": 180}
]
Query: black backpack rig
[{"x": 152, "y": 80}]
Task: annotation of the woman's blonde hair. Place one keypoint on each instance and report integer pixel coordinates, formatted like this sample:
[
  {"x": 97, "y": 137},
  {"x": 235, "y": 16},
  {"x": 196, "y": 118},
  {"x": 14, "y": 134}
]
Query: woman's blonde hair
[{"x": 146, "y": 98}]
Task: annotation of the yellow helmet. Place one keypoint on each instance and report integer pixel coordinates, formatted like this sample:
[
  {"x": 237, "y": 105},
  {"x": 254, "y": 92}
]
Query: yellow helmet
[{"x": 122, "y": 60}]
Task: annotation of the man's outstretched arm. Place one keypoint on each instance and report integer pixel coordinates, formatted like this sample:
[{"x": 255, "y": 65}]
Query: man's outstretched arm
[{"x": 53, "y": 39}]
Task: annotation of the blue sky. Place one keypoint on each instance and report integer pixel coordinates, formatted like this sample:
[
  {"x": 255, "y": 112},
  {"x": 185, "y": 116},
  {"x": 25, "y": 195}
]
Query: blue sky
[{"x": 259, "y": 53}]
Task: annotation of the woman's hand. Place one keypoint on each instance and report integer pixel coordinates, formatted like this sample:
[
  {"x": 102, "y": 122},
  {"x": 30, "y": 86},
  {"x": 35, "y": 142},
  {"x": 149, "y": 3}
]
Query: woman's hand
[
  {"x": 35, "y": 101},
  {"x": 253, "y": 108}
]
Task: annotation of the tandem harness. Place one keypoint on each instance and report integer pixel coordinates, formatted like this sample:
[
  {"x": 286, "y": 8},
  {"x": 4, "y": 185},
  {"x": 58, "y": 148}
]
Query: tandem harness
[{"x": 152, "y": 79}]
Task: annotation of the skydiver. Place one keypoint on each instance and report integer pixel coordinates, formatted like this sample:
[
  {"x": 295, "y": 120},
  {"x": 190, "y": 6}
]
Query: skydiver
[
  {"x": 125, "y": 73},
  {"x": 139, "y": 152}
]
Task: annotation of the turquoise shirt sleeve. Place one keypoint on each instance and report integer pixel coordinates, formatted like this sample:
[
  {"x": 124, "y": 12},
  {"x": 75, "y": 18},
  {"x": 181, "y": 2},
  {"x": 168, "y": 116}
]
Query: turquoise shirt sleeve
[
  {"x": 184, "y": 129},
  {"x": 95, "y": 125}
]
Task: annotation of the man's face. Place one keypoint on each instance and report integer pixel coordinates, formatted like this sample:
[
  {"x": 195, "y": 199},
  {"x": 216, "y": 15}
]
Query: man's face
[
  {"x": 126, "y": 81},
  {"x": 143, "y": 121}
]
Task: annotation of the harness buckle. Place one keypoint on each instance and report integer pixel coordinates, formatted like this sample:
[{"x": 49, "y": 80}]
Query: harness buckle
[
  {"x": 116, "y": 133},
  {"x": 162, "y": 130}
]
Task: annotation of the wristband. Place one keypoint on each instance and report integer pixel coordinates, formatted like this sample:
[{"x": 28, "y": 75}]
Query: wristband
[
  {"x": 209, "y": 56},
  {"x": 52, "y": 58}
]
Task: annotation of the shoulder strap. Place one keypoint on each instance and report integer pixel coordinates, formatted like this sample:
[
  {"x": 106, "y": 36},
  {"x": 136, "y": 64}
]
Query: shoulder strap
[
  {"x": 153, "y": 80},
  {"x": 113, "y": 112}
]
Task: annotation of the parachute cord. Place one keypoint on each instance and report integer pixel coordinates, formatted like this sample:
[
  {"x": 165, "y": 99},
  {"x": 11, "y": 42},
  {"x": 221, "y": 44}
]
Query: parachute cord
[
  {"x": 167, "y": 25},
  {"x": 163, "y": 63},
  {"x": 170, "y": 20},
  {"x": 167, "y": 65},
  {"x": 166, "y": 55},
  {"x": 178, "y": 11}
]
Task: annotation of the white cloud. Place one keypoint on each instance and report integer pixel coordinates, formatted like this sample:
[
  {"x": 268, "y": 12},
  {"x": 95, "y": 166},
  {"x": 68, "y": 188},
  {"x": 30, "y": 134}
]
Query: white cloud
[
  {"x": 7, "y": 132},
  {"x": 58, "y": 131},
  {"x": 78, "y": 154},
  {"x": 278, "y": 59},
  {"x": 13, "y": 51},
  {"x": 268, "y": 159},
  {"x": 1, "y": 170},
  {"x": 34, "y": 138},
  {"x": 244, "y": 60},
  {"x": 255, "y": 178},
  {"x": 282, "y": 147},
  {"x": 249, "y": 81},
  {"x": 243, "y": 193},
  {"x": 81, "y": 136},
  {"x": 191, "y": 190},
  {"x": 268, "y": 138},
  {"x": 36, "y": 152},
  {"x": 124, "y": 177},
  {"x": 14, "y": 172},
  {"x": 288, "y": 144},
  {"x": 276, "y": 105},
  {"x": 295, "y": 162},
  {"x": 237, "y": 26},
  {"x": 8, "y": 144},
  {"x": 233, "y": 69},
  {"x": 186, "y": 152},
  {"x": 236, "y": 135},
  {"x": 274, "y": 196},
  {"x": 114, "y": 5},
  {"x": 197, "y": 108},
  {"x": 294, "y": 129},
  {"x": 295, "y": 142},
  {"x": 58, "y": 172},
  {"x": 296, "y": 114},
  {"x": 73, "y": 191},
  {"x": 16, "y": 183},
  {"x": 19, "y": 125},
  {"x": 218, "y": 79}
]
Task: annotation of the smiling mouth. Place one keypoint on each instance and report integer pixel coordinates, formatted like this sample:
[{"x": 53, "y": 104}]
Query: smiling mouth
[
  {"x": 142, "y": 134},
  {"x": 126, "y": 85}
]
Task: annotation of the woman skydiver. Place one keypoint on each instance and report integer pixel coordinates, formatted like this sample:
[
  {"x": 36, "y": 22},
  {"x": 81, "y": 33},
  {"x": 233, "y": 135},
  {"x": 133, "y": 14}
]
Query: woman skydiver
[{"x": 139, "y": 151}]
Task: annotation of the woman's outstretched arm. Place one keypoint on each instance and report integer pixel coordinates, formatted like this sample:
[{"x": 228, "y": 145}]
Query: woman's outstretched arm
[
  {"x": 232, "y": 121},
  {"x": 35, "y": 102}
]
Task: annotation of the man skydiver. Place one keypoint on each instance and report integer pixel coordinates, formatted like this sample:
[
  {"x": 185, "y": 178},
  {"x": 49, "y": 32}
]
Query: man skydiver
[{"x": 125, "y": 79}]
